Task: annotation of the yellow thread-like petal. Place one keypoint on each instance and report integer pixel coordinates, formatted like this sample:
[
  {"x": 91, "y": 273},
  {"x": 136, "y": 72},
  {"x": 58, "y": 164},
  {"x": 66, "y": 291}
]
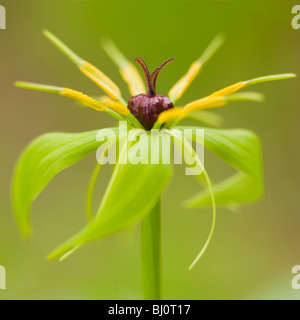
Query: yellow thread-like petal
[
  {"x": 180, "y": 113},
  {"x": 120, "y": 109},
  {"x": 107, "y": 100},
  {"x": 86, "y": 100},
  {"x": 110, "y": 106},
  {"x": 214, "y": 102},
  {"x": 102, "y": 77},
  {"x": 86, "y": 68},
  {"x": 205, "y": 103},
  {"x": 180, "y": 86},
  {"x": 114, "y": 105},
  {"x": 128, "y": 71},
  {"x": 169, "y": 115},
  {"x": 101, "y": 84},
  {"x": 135, "y": 83},
  {"x": 240, "y": 85},
  {"x": 95, "y": 77},
  {"x": 211, "y": 102},
  {"x": 97, "y": 105},
  {"x": 228, "y": 90}
]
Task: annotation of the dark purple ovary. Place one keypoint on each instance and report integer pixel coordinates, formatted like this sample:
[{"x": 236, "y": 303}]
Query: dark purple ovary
[{"x": 146, "y": 108}]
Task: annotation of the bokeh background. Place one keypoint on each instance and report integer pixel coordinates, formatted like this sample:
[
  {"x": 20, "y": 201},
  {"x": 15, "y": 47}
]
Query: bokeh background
[{"x": 254, "y": 247}]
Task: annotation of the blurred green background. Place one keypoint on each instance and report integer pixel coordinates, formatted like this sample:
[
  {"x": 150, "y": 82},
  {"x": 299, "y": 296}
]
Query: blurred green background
[{"x": 254, "y": 247}]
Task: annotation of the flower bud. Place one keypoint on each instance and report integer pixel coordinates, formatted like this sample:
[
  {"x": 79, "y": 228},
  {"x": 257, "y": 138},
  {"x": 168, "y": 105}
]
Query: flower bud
[{"x": 146, "y": 107}]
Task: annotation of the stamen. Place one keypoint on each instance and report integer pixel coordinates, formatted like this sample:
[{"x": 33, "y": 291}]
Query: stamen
[
  {"x": 128, "y": 71},
  {"x": 86, "y": 68},
  {"x": 89, "y": 68},
  {"x": 182, "y": 84},
  {"x": 119, "y": 108},
  {"x": 228, "y": 90},
  {"x": 240, "y": 85},
  {"x": 204, "y": 103},
  {"x": 115, "y": 109},
  {"x": 177, "y": 114},
  {"x": 170, "y": 115},
  {"x": 80, "y": 97}
]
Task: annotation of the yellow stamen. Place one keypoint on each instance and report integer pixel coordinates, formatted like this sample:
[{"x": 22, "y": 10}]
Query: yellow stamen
[
  {"x": 101, "y": 75},
  {"x": 128, "y": 71},
  {"x": 88, "y": 69},
  {"x": 101, "y": 80},
  {"x": 169, "y": 115},
  {"x": 86, "y": 100},
  {"x": 211, "y": 102},
  {"x": 177, "y": 114},
  {"x": 114, "y": 105},
  {"x": 228, "y": 90},
  {"x": 240, "y": 85},
  {"x": 205, "y": 103},
  {"x": 97, "y": 105},
  {"x": 120, "y": 109},
  {"x": 180, "y": 86},
  {"x": 107, "y": 100},
  {"x": 130, "y": 75}
]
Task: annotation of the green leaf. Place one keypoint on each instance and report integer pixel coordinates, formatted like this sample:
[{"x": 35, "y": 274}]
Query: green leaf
[
  {"x": 45, "y": 157},
  {"x": 207, "y": 117},
  {"x": 133, "y": 191},
  {"x": 241, "y": 149}
]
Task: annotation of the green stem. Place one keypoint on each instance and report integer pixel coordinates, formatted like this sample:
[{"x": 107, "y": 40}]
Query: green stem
[{"x": 151, "y": 254}]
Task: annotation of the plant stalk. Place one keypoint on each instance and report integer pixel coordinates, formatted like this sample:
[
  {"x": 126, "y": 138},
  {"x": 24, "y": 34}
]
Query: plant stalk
[{"x": 151, "y": 254}]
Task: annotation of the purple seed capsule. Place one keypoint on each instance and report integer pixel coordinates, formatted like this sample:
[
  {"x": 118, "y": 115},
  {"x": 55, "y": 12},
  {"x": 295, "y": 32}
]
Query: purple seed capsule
[{"x": 146, "y": 107}]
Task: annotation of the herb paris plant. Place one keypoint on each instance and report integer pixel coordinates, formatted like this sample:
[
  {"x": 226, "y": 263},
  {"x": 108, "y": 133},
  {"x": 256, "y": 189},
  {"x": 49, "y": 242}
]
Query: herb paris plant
[{"x": 50, "y": 153}]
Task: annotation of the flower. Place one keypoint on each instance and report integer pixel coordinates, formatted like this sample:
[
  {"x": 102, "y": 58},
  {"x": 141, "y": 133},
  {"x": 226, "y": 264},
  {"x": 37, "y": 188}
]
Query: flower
[{"x": 49, "y": 154}]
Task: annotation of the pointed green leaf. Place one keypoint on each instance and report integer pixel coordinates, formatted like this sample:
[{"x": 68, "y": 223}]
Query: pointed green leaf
[
  {"x": 45, "y": 157},
  {"x": 241, "y": 149},
  {"x": 207, "y": 117},
  {"x": 133, "y": 191}
]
